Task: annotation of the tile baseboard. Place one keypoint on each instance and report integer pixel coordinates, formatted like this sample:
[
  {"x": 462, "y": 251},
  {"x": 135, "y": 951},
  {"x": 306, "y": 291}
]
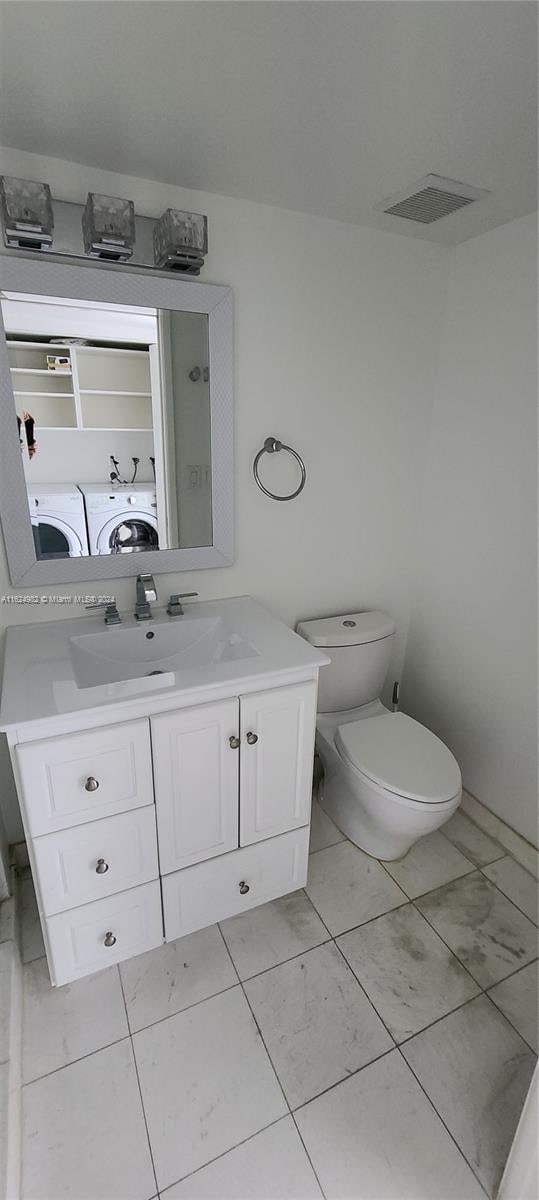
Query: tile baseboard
[{"x": 513, "y": 842}]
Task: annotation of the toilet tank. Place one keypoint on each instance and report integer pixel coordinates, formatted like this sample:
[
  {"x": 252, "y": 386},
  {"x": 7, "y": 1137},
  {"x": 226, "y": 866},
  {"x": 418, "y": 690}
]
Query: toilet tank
[{"x": 359, "y": 648}]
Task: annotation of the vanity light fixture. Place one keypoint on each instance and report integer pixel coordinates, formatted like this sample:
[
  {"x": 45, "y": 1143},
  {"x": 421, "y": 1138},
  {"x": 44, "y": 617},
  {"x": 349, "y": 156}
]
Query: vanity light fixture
[
  {"x": 180, "y": 241},
  {"x": 108, "y": 226},
  {"x": 27, "y": 215}
]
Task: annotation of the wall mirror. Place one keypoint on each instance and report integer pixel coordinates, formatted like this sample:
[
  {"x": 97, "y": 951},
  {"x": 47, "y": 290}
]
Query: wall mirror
[{"x": 116, "y": 422}]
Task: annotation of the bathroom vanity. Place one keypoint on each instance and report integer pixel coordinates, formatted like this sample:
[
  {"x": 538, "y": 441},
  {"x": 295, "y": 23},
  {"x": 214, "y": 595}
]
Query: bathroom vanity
[
  {"x": 164, "y": 773},
  {"x": 163, "y": 765}
]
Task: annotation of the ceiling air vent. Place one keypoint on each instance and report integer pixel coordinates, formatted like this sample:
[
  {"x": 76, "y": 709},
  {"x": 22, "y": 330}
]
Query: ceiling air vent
[{"x": 430, "y": 199}]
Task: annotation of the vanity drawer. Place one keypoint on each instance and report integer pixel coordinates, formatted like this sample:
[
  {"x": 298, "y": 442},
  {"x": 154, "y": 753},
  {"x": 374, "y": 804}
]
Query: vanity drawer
[
  {"x": 83, "y": 776},
  {"x": 87, "y": 939},
  {"x": 211, "y": 891},
  {"x": 91, "y": 861}
]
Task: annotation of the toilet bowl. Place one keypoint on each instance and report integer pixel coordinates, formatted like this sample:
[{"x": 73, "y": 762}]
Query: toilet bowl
[{"x": 388, "y": 780}]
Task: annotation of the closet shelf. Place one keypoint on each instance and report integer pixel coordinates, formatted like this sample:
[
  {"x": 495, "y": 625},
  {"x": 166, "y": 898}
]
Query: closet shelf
[
  {"x": 40, "y": 371},
  {"x": 22, "y": 344},
  {"x": 92, "y": 429},
  {"x": 43, "y": 395},
  {"x": 112, "y": 350},
  {"x": 113, "y": 392}
]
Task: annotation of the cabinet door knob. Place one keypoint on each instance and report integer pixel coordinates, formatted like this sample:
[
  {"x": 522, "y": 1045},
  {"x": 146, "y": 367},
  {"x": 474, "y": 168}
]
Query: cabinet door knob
[
  {"x": 110, "y": 940},
  {"x": 101, "y": 867},
  {"x": 234, "y": 742},
  {"x": 91, "y": 784},
  {"x": 244, "y": 888},
  {"x": 252, "y": 739}
]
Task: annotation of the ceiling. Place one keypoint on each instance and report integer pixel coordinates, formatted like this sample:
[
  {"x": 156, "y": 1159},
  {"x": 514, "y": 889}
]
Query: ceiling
[{"x": 324, "y": 107}]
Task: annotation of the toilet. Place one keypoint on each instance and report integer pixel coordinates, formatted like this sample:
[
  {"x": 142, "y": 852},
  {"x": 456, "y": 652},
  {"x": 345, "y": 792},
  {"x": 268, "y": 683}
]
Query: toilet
[{"x": 387, "y": 779}]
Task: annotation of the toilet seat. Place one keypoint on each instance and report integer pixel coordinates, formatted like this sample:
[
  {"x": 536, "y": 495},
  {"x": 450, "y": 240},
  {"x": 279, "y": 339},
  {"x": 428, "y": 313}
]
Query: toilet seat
[{"x": 401, "y": 756}]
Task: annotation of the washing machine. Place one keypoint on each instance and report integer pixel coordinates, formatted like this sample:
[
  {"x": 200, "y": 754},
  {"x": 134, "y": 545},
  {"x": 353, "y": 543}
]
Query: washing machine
[
  {"x": 121, "y": 519},
  {"x": 58, "y": 520}
]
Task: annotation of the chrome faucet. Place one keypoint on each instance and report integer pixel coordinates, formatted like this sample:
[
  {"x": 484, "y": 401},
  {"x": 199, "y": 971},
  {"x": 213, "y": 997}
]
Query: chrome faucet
[{"x": 146, "y": 591}]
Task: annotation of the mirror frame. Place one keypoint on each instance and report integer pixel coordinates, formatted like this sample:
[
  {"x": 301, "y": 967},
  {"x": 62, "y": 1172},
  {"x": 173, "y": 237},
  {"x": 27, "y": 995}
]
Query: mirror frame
[{"x": 127, "y": 286}]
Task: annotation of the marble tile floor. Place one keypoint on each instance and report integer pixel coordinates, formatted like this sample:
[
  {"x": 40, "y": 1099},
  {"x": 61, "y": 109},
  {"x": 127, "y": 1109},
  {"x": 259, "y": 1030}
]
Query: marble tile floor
[{"x": 370, "y": 1037}]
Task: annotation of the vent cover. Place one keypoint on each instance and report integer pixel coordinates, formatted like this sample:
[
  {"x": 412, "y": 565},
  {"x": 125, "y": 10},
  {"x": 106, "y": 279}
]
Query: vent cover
[{"x": 430, "y": 199}]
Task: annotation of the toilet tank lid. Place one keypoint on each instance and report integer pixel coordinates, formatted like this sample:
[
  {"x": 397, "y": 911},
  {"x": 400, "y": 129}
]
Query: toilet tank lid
[{"x": 350, "y": 629}]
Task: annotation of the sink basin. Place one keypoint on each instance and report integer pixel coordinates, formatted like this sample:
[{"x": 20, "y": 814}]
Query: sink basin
[
  {"x": 69, "y": 669},
  {"x": 153, "y": 648}
]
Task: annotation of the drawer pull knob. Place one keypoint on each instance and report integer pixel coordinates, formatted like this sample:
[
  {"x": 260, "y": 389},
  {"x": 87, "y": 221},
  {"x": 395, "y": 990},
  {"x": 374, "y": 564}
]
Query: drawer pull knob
[
  {"x": 252, "y": 739},
  {"x": 102, "y": 867},
  {"x": 110, "y": 940},
  {"x": 234, "y": 742},
  {"x": 91, "y": 784},
  {"x": 244, "y": 888}
]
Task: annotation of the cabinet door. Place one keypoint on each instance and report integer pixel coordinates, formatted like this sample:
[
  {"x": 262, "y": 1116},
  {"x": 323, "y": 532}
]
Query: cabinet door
[
  {"x": 196, "y": 776},
  {"x": 277, "y": 747}
]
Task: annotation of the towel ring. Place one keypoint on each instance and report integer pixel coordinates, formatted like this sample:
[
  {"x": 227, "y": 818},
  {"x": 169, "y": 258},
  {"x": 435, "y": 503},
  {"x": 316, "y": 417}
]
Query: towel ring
[{"x": 272, "y": 446}]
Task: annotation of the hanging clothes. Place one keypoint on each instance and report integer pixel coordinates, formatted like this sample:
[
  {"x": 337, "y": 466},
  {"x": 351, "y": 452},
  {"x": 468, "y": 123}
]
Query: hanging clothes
[{"x": 29, "y": 425}]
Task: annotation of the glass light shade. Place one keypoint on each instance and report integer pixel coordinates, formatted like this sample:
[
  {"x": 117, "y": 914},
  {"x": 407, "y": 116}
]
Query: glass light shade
[
  {"x": 108, "y": 226},
  {"x": 180, "y": 241},
  {"x": 27, "y": 214}
]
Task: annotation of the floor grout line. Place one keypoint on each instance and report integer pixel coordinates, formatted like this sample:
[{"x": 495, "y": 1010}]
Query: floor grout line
[
  {"x": 224, "y": 1153},
  {"x": 72, "y": 1062},
  {"x": 329, "y": 846},
  {"x": 508, "y": 1019},
  {"x": 135, "y": 1063},
  {"x": 446, "y": 1127},
  {"x": 361, "y": 924},
  {"x": 509, "y": 1022},
  {"x": 500, "y": 889},
  {"x": 338, "y": 1082},
  {"x": 188, "y": 1007},
  {"x": 282, "y": 961},
  {"x": 459, "y": 960},
  {"x": 313, "y": 1168},
  {"x": 263, "y": 1040}
]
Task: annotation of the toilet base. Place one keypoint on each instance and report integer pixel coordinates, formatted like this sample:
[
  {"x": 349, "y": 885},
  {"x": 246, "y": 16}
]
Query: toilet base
[{"x": 382, "y": 825}]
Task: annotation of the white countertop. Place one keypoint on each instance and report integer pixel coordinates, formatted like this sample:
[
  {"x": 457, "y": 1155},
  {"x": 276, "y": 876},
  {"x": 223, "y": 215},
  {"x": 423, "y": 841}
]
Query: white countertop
[{"x": 39, "y": 683}]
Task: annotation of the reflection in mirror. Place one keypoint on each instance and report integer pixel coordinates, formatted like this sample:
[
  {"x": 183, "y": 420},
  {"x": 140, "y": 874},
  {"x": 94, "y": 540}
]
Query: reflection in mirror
[{"x": 113, "y": 410}]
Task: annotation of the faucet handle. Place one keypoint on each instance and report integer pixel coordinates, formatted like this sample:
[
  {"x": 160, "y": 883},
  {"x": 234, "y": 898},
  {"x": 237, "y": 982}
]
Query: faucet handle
[
  {"x": 112, "y": 616},
  {"x": 174, "y": 606}
]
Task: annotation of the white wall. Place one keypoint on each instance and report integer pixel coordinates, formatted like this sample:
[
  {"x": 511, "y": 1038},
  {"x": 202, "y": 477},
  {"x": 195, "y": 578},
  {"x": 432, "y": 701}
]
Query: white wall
[
  {"x": 471, "y": 658},
  {"x": 83, "y": 456},
  {"x": 336, "y": 344}
]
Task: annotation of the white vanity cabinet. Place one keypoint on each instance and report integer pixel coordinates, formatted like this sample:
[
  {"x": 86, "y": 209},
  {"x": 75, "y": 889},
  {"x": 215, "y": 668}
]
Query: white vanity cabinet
[{"x": 148, "y": 829}]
